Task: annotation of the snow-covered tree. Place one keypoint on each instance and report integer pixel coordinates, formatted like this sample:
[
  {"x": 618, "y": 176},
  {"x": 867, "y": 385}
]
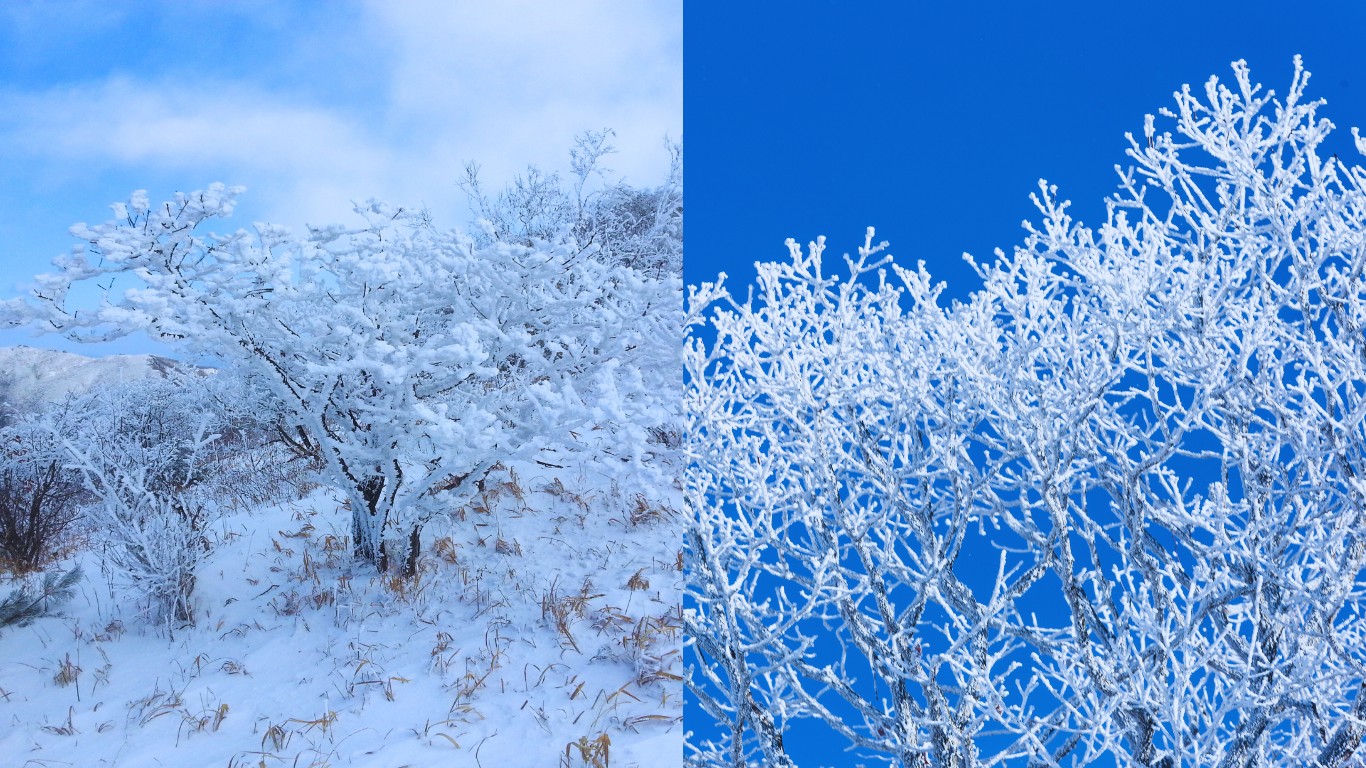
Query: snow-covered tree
[
  {"x": 639, "y": 227},
  {"x": 1110, "y": 510},
  {"x": 410, "y": 359}
]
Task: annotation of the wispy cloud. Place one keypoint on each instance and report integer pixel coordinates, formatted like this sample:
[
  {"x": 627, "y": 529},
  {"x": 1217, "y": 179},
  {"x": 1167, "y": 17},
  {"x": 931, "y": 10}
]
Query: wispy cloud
[
  {"x": 194, "y": 133},
  {"x": 528, "y": 72},
  {"x": 507, "y": 84}
]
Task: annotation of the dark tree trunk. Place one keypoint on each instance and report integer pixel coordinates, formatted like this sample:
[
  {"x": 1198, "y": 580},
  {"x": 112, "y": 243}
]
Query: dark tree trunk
[
  {"x": 378, "y": 552},
  {"x": 406, "y": 562},
  {"x": 414, "y": 549},
  {"x": 371, "y": 488}
]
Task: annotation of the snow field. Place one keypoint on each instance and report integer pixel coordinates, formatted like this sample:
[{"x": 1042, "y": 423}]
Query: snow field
[{"x": 543, "y": 628}]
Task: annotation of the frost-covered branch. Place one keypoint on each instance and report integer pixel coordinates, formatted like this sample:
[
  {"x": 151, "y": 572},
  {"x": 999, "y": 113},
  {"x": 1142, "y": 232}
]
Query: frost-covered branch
[{"x": 1109, "y": 509}]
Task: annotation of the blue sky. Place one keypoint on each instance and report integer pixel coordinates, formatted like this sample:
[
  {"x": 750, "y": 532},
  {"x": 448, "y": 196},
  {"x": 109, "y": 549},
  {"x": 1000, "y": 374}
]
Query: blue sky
[
  {"x": 311, "y": 105},
  {"x": 934, "y": 123}
]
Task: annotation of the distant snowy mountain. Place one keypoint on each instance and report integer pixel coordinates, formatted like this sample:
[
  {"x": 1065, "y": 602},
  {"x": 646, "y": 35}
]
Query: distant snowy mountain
[{"x": 31, "y": 376}]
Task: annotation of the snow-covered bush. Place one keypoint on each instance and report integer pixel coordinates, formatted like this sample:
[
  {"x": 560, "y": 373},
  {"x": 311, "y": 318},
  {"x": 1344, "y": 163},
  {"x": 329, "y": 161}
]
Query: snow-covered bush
[
  {"x": 257, "y": 458},
  {"x": 641, "y": 228},
  {"x": 138, "y": 469},
  {"x": 1108, "y": 511},
  {"x": 151, "y": 541},
  {"x": 409, "y": 358},
  {"x": 145, "y": 423},
  {"x": 141, "y": 426},
  {"x": 140, "y": 450}
]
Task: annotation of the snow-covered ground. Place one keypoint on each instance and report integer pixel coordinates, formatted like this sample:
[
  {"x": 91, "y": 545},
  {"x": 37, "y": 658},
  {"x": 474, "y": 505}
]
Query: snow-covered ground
[{"x": 544, "y": 629}]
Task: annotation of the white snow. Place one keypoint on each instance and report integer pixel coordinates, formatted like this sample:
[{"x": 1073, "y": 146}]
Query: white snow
[{"x": 546, "y": 621}]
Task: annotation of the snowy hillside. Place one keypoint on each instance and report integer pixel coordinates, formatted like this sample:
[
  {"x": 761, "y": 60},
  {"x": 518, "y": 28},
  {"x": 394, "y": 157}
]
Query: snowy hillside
[
  {"x": 544, "y": 629},
  {"x": 427, "y": 514},
  {"x": 31, "y": 376}
]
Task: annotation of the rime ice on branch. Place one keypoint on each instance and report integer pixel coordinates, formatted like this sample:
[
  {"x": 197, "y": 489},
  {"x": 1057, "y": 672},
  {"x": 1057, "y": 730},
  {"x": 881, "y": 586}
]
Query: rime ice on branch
[{"x": 1110, "y": 509}]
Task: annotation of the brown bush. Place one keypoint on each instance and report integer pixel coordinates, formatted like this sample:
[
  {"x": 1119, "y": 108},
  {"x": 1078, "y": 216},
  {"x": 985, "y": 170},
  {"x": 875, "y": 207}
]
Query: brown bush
[{"x": 38, "y": 504}]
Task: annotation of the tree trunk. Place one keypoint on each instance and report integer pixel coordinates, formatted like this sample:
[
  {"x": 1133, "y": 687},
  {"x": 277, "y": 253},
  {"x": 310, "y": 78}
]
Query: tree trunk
[
  {"x": 369, "y": 533},
  {"x": 414, "y": 549},
  {"x": 364, "y": 526}
]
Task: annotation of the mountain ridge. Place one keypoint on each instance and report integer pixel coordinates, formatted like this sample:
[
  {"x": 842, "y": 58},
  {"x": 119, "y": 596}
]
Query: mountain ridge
[{"x": 31, "y": 376}]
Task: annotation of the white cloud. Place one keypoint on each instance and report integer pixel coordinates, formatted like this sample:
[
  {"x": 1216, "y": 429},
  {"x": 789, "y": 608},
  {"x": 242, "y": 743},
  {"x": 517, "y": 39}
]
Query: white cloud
[
  {"x": 174, "y": 126},
  {"x": 303, "y": 163},
  {"x": 517, "y": 79},
  {"x": 506, "y": 83}
]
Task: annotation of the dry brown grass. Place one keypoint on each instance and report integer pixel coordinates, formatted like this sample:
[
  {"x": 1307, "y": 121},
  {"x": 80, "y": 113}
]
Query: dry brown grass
[
  {"x": 67, "y": 672},
  {"x": 562, "y": 610},
  {"x": 592, "y": 753}
]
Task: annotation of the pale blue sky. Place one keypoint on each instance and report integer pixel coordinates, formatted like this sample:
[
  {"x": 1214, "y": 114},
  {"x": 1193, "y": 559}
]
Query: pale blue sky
[{"x": 311, "y": 105}]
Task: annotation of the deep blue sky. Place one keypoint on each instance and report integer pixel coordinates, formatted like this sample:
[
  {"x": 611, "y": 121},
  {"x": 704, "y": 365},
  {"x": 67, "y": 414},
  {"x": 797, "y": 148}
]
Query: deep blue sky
[{"x": 935, "y": 123}]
